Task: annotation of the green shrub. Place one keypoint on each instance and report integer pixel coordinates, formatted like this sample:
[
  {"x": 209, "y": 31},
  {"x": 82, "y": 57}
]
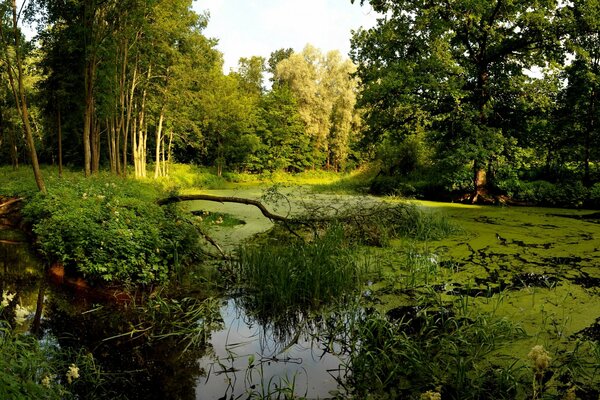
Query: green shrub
[
  {"x": 109, "y": 231},
  {"x": 563, "y": 194},
  {"x": 594, "y": 197}
]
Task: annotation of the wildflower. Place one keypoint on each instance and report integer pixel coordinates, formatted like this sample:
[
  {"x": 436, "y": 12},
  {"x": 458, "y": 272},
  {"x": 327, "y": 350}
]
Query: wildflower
[
  {"x": 21, "y": 314},
  {"x": 72, "y": 373},
  {"x": 540, "y": 357},
  {"x": 46, "y": 381},
  {"x": 7, "y": 298},
  {"x": 571, "y": 393},
  {"x": 431, "y": 395},
  {"x": 219, "y": 220},
  {"x": 84, "y": 195}
]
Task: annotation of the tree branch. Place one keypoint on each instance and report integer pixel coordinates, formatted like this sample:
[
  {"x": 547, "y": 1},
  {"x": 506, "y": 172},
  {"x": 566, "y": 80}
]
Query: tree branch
[{"x": 224, "y": 199}]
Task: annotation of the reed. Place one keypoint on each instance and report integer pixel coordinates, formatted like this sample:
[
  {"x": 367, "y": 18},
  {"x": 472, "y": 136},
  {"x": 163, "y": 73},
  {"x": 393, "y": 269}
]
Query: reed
[{"x": 300, "y": 274}]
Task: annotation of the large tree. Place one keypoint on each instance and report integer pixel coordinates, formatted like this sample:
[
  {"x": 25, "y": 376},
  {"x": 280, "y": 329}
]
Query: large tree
[
  {"x": 445, "y": 66},
  {"x": 325, "y": 92},
  {"x": 579, "y": 106},
  {"x": 13, "y": 60}
]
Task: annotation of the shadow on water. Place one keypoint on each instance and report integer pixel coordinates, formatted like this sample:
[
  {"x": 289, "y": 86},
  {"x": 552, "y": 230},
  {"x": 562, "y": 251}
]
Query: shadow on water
[{"x": 134, "y": 348}]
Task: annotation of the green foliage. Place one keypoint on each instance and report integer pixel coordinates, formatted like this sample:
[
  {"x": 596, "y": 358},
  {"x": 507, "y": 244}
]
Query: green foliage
[
  {"x": 429, "y": 349},
  {"x": 299, "y": 275},
  {"x": 111, "y": 230},
  {"x": 562, "y": 194},
  {"x": 23, "y": 367},
  {"x": 595, "y": 196}
]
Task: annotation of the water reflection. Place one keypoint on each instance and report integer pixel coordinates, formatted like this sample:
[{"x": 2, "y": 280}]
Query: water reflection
[
  {"x": 267, "y": 358},
  {"x": 138, "y": 353},
  {"x": 138, "y": 350}
]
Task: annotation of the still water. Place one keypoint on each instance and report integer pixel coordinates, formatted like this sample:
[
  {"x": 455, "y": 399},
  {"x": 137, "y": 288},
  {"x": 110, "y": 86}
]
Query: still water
[
  {"x": 249, "y": 358},
  {"x": 243, "y": 358}
]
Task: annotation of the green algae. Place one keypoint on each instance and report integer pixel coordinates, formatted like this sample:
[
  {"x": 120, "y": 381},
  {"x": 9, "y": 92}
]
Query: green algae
[{"x": 538, "y": 268}]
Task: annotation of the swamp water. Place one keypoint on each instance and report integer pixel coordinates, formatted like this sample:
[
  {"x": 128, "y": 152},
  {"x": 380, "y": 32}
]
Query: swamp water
[{"x": 537, "y": 267}]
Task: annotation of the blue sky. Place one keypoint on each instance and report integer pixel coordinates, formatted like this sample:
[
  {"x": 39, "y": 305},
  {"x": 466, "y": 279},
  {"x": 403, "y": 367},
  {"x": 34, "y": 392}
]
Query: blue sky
[{"x": 257, "y": 27}]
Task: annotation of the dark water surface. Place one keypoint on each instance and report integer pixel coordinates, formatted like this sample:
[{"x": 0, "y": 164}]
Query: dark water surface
[{"x": 241, "y": 359}]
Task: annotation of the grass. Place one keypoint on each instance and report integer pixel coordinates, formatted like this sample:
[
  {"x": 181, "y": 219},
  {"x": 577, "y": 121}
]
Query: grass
[{"x": 277, "y": 278}]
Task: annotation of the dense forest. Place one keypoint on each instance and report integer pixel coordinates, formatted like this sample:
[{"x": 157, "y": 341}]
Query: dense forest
[{"x": 483, "y": 100}]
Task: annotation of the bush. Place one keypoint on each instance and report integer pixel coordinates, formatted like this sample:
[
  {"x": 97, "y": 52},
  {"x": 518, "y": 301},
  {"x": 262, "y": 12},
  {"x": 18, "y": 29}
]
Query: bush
[
  {"x": 111, "y": 232},
  {"x": 551, "y": 194},
  {"x": 594, "y": 197}
]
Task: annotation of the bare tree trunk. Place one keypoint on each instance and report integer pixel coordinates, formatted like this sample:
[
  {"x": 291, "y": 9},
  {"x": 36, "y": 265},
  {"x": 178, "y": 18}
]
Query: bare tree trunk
[
  {"x": 134, "y": 145},
  {"x": 129, "y": 106},
  {"x": 87, "y": 118},
  {"x": 96, "y": 133},
  {"x": 159, "y": 142},
  {"x": 168, "y": 164}
]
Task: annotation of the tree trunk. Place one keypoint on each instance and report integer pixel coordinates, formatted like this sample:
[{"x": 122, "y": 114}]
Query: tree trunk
[
  {"x": 88, "y": 117},
  {"x": 479, "y": 183},
  {"x": 96, "y": 133},
  {"x": 167, "y": 165},
  {"x": 19, "y": 94},
  {"x": 587, "y": 139},
  {"x": 14, "y": 150},
  {"x": 159, "y": 140}
]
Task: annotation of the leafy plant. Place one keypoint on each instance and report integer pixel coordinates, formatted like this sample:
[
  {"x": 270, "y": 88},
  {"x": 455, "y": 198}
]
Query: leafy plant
[{"x": 111, "y": 231}]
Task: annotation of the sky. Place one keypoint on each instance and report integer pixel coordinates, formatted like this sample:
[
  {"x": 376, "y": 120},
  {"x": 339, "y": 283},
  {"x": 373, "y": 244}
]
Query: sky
[{"x": 248, "y": 28}]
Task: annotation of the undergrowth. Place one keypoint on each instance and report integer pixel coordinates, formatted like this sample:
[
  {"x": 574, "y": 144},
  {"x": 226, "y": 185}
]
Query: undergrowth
[{"x": 111, "y": 229}]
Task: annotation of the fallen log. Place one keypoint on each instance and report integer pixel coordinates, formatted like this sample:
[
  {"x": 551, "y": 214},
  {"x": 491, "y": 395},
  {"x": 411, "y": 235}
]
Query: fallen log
[
  {"x": 224, "y": 199},
  {"x": 11, "y": 201}
]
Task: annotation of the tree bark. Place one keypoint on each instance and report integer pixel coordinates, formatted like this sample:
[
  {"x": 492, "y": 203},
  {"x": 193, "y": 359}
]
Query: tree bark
[
  {"x": 19, "y": 94},
  {"x": 225, "y": 199},
  {"x": 159, "y": 143}
]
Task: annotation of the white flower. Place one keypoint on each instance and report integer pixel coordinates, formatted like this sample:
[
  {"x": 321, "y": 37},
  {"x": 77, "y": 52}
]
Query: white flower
[
  {"x": 72, "y": 373},
  {"x": 7, "y": 298},
  {"x": 21, "y": 314}
]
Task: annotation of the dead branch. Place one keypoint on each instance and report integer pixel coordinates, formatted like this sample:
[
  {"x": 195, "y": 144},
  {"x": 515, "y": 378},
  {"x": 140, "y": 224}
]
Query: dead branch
[
  {"x": 11, "y": 201},
  {"x": 224, "y": 199}
]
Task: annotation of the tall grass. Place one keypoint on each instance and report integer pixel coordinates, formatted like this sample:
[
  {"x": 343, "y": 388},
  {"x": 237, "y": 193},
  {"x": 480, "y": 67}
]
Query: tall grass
[
  {"x": 429, "y": 350},
  {"x": 299, "y": 275}
]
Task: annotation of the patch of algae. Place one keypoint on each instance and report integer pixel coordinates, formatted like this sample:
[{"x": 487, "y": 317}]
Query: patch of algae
[{"x": 536, "y": 267}]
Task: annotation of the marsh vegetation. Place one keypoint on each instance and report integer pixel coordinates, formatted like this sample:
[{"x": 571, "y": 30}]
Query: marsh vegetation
[{"x": 352, "y": 297}]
